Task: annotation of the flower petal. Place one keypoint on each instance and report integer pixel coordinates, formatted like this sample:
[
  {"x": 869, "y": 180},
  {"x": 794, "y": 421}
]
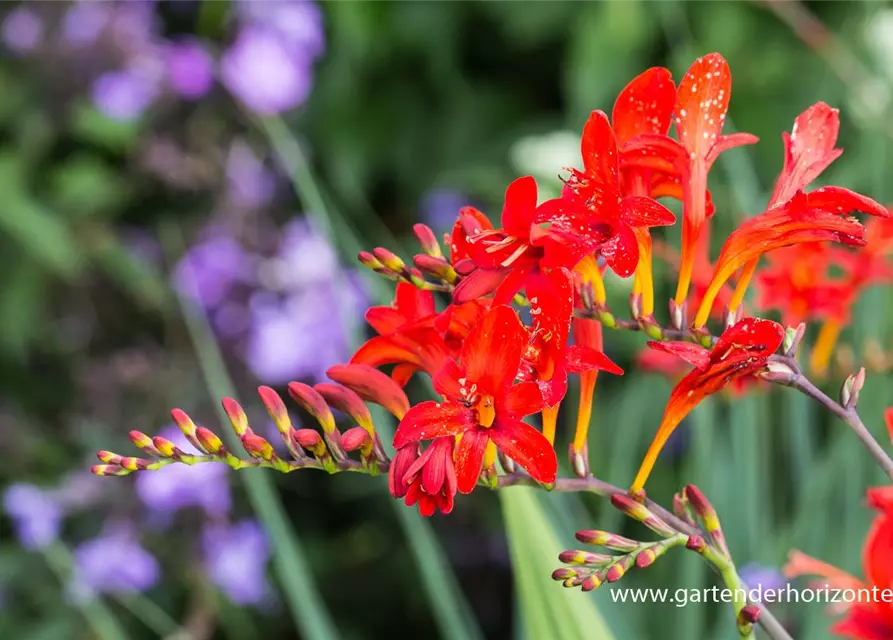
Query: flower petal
[
  {"x": 428, "y": 420},
  {"x": 371, "y": 385},
  {"x": 526, "y": 446},
  {"x": 446, "y": 381},
  {"x": 724, "y": 143},
  {"x": 621, "y": 252},
  {"x": 809, "y": 149},
  {"x": 645, "y": 105},
  {"x": 639, "y": 211},
  {"x": 414, "y": 303},
  {"x": 492, "y": 352},
  {"x": 702, "y": 100},
  {"x": 478, "y": 283},
  {"x": 470, "y": 221},
  {"x": 599, "y": 149},
  {"x": 519, "y": 207},
  {"x": 470, "y": 458},
  {"x": 581, "y": 358},
  {"x": 694, "y": 354},
  {"x": 522, "y": 399},
  {"x": 837, "y": 200}
]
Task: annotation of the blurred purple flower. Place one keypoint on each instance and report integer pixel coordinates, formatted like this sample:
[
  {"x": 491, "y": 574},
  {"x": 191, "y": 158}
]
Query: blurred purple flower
[
  {"x": 84, "y": 21},
  {"x": 207, "y": 272},
  {"x": 179, "y": 486},
  {"x": 134, "y": 25},
  {"x": 251, "y": 185},
  {"x": 297, "y": 22},
  {"x": 125, "y": 94},
  {"x": 236, "y": 558},
  {"x": 114, "y": 562},
  {"x": 764, "y": 578},
  {"x": 190, "y": 69},
  {"x": 264, "y": 73},
  {"x": 36, "y": 514},
  {"x": 440, "y": 208},
  {"x": 22, "y": 31}
]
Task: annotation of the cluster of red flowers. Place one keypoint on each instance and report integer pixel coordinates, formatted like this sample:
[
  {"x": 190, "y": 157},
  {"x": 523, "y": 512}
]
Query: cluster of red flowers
[{"x": 492, "y": 370}]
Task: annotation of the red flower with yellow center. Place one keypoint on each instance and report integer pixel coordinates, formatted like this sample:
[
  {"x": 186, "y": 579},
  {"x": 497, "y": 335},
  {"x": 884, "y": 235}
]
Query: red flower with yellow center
[
  {"x": 483, "y": 405},
  {"x": 743, "y": 349}
]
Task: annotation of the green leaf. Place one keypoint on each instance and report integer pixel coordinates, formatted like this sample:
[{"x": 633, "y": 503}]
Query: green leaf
[
  {"x": 86, "y": 186},
  {"x": 547, "y": 609}
]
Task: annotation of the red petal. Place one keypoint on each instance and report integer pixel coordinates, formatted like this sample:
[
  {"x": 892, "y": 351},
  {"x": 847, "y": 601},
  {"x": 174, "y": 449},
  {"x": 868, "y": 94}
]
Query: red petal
[
  {"x": 430, "y": 419},
  {"x": 599, "y": 149},
  {"x": 478, "y": 283},
  {"x": 581, "y": 358},
  {"x": 414, "y": 303},
  {"x": 809, "y": 149},
  {"x": 621, "y": 252},
  {"x": 513, "y": 283},
  {"x": 693, "y": 354},
  {"x": 492, "y": 352},
  {"x": 552, "y": 301},
  {"x": 877, "y": 551},
  {"x": 469, "y": 219},
  {"x": 385, "y": 320},
  {"x": 707, "y": 82},
  {"x": 520, "y": 205},
  {"x": 470, "y": 458},
  {"x": 554, "y": 389},
  {"x": 639, "y": 211},
  {"x": 757, "y": 337},
  {"x": 724, "y": 143},
  {"x": 843, "y": 201},
  {"x": 371, "y": 385},
  {"x": 522, "y": 399},
  {"x": 645, "y": 105},
  {"x": 526, "y": 446},
  {"x": 446, "y": 382},
  {"x": 403, "y": 372}
]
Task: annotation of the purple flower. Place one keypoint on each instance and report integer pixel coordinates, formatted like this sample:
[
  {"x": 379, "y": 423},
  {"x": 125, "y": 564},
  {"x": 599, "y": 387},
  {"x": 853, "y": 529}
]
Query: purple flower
[
  {"x": 251, "y": 185},
  {"x": 22, "y": 30},
  {"x": 114, "y": 562},
  {"x": 762, "y": 578},
  {"x": 84, "y": 21},
  {"x": 236, "y": 557},
  {"x": 179, "y": 486},
  {"x": 297, "y": 22},
  {"x": 440, "y": 208},
  {"x": 36, "y": 514},
  {"x": 190, "y": 69},
  {"x": 124, "y": 95},
  {"x": 210, "y": 269},
  {"x": 264, "y": 73}
]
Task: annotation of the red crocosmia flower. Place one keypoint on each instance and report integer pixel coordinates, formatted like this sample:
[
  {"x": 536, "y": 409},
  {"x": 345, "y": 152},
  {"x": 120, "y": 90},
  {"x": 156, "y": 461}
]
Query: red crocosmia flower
[
  {"x": 500, "y": 260},
  {"x": 431, "y": 479},
  {"x": 702, "y": 100},
  {"x": 606, "y": 219},
  {"x": 741, "y": 350},
  {"x": 869, "y": 618},
  {"x": 408, "y": 337},
  {"x": 548, "y": 358},
  {"x": 403, "y": 460},
  {"x": 482, "y": 404},
  {"x": 805, "y": 218}
]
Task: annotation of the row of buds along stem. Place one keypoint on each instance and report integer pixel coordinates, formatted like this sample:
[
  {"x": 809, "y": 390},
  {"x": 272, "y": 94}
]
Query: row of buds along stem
[
  {"x": 431, "y": 262},
  {"x": 327, "y": 448}
]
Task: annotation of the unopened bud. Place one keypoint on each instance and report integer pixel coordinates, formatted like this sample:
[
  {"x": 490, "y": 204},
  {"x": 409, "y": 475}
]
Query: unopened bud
[
  {"x": 143, "y": 442},
  {"x": 165, "y": 447},
  {"x": 310, "y": 440},
  {"x": 778, "y": 372},
  {"x": 606, "y": 318},
  {"x": 747, "y": 618},
  {"x": 681, "y": 509},
  {"x": 619, "y": 569},
  {"x": 563, "y": 573},
  {"x": 437, "y": 267},
  {"x": 314, "y": 404},
  {"x": 576, "y": 556},
  {"x": 579, "y": 461},
  {"x": 356, "y": 438},
  {"x": 651, "y": 328},
  {"x": 647, "y": 556},
  {"x": 389, "y": 259},
  {"x": 705, "y": 511},
  {"x": 849, "y": 391},
  {"x": 591, "y": 583},
  {"x": 108, "y": 470},
  {"x": 640, "y": 512},
  {"x": 696, "y": 543},
  {"x": 209, "y": 440},
  {"x": 678, "y": 314},
  {"x": 427, "y": 240},
  {"x": 236, "y": 415},
  {"x": 371, "y": 385},
  {"x": 608, "y": 540},
  {"x": 257, "y": 447}
]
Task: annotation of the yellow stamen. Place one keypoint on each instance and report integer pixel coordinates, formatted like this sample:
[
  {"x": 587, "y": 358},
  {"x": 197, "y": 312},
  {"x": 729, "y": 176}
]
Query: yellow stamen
[
  {"x": 584, "y": 411},
  {"x": 591, "y": 274},
  {"x": 824, "y": 346},
  {"x": 490, "y": 455},
  {"x": 741, "y": 287},
  {"x": 486, "y": 411},
  {"x": 550, "y": 420}
]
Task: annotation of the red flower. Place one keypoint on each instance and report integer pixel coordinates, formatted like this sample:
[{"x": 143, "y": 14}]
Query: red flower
[
  {"x": 741, "y": 350},
  {"x": 500, "y": 260},
  {"x": 483, "y": 405},
  {"x": 549, "y": 358},
  {"x": 431, "y": 479},
  {"x": 606, "y": 219},
  {"x": 869, "y": 618},
  {"x": 702, "y": 100}
]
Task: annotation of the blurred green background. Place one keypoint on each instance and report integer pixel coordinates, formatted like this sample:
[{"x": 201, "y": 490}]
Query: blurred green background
[{"x": 408, "y": 110}]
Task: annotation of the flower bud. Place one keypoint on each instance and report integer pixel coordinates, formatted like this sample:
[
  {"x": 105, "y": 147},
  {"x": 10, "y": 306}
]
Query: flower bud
[
  {"x": 143, "y": 442},
  {"x": 778, "y": 372},
  {"x": 371, "y": 385},
  {"x": 619, "y": 569},
  {"x": 256, "y": 446},
  {"x": 705, "y": 511},
  {"x": 696, "y": 543},
  {"x": 209, "y": 440},
  {"x": 390, "y": 260},
  {"x": 108, "y": 470},
  {"x": 403, "y": 460},
  {"x": 310, "y": 440},
  {"x": 427, "y": 240},
  {"x": 792, "y": 338},
  {"x": 314, "y": 404},
  {"x": 437, "y": 267},
  {"x": 747, "y": 618},
  {"x": 370, "y": 261},
  {"x": 576, "y": 556},
  {"x": 356, "y": 438},
  {"x": 591, "y": 583},
  {"x": 640, "y": 512},
  {"x": 849, "y": 391},
  {"x": 236, "y": 415},
  {"x": 563, "y": 573},
  {"x": 678, "y": 314},
  {"x": 165, "y": 447},
  {"x": 608, "y": 540}
]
